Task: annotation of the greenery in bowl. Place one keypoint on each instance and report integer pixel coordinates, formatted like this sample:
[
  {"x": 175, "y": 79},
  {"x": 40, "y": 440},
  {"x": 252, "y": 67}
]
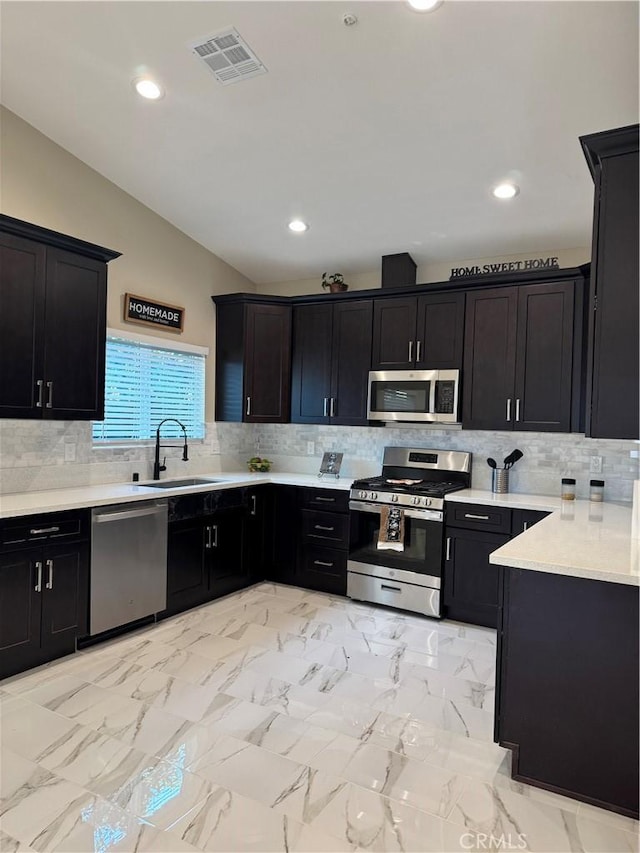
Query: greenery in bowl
[{"x": 258, "y": 464}]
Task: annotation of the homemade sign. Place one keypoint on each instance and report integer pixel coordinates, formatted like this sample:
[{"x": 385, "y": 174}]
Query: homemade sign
[
  {"x": 147, "y": 312},
  {"x": 509, "y": 266}
]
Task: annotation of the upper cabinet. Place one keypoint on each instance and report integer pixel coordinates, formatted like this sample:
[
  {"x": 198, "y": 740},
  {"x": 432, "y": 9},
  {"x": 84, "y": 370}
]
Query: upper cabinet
[
  {"x": 522, "y": 357},
  {"x": 53, "y": 296},
  {"x": 424, "y": 332},
  {"x": 612, "y": 379},
  {"x": 253, "y": 359},
  {"x": 330, "y": 362}
]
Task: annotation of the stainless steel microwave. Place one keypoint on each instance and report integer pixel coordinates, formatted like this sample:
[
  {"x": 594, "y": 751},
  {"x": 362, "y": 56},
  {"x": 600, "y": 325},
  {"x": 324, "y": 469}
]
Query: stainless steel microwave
[{"x": 416, "y": 396}]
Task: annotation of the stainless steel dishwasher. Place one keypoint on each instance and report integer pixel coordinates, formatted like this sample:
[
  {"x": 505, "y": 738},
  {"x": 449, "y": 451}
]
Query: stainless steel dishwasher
[{"x": 128, "y": 563}]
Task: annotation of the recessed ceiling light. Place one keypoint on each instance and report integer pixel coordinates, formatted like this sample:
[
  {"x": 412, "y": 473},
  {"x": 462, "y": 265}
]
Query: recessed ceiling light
[
  {"x": 148, "y": 88},
  {"x": 424, "y": 5},
  {"x": 298, "y": 226},
  {"x": 505, "y": 190}
]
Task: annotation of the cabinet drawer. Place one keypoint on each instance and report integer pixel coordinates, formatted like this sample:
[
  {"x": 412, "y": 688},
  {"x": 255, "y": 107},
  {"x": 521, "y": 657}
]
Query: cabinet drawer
[
  {"x": 479, "y": 517},
  {"x": 323, "y": 569},
  {"x": 327, "y": 527},
  {"x": 404, "y": 596},
  {"x": 55, "y": 527},
  {"x": 328, "y": 500}
]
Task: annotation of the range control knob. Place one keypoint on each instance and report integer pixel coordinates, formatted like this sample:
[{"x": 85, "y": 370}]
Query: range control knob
[
  {"x": 415, "y": 501},
  {"x": 394, "y": 498},
  {"x": 362, "y": 495},
  {"x": 374, "y": 496},
  {"x": 427, "y": 501}
]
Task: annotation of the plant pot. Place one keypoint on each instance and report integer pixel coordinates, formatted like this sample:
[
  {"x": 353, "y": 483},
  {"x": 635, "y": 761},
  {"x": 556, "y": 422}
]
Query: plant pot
[{"x": 338, "y": 288}]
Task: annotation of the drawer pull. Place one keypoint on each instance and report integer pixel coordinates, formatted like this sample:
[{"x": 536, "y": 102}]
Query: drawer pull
[
  {"x": 323, "y": 527},
  {"x": 49, "y": 583},
  {"x": 322, "y": 563},
  {"x": 38, "y": 586},
  {"x": 390, "y": 588},
  {"x": 525, "y": 526},
  {"x": 448, "y": 554},
  {"x": 476, "y": 517},
  {"x": 326, "y": 500},
  {"x": 36, "y": 531}
]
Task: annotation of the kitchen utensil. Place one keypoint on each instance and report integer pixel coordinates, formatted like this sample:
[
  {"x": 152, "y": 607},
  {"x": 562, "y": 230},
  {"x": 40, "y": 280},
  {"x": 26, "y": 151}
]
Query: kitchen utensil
[
  {"x": 492, "y": 463},
  {"x": 517, "y": 454}
]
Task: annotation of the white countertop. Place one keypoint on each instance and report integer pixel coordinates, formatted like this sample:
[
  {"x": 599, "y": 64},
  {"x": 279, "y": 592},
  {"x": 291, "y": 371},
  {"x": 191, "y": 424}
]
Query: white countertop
[
  {"x": 571, "y": 541},
  {"x": 81, "y": 497}
]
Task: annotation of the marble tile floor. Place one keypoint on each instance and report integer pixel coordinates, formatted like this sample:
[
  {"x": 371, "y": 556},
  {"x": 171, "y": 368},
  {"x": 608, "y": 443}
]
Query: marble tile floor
[{"x": 276, "y": 719}]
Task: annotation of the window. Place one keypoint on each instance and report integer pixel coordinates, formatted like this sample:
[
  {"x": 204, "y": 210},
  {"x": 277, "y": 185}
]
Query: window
[{"x": 148, "y": 379}]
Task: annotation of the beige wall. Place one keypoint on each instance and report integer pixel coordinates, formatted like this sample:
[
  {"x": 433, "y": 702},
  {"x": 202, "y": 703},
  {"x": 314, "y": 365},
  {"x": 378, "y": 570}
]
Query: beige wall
[
  {"x": 44, "y": 184},
  {"x": 426, "y": 273}
]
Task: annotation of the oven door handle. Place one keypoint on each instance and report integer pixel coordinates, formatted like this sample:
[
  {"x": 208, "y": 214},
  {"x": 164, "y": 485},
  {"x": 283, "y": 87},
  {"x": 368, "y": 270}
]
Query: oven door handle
[{"x": 422, "y": 514}]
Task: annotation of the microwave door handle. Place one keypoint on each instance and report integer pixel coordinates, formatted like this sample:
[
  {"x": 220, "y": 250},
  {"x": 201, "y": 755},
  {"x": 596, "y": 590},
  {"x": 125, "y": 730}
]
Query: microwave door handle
[{"x": 432, "y": 394}]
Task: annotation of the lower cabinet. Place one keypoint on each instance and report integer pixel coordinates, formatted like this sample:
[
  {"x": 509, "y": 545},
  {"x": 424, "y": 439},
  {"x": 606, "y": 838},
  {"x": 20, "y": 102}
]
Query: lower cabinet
[
  {"x": 44, "y": 597},
  {"x": 208, "y": 551},
  {"x": 324, "y": 540},
  {"x": 471, "y": 582}
]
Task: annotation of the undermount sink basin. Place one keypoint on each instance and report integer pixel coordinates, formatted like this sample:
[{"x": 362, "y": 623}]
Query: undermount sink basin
[{"x": 182, "y": 484}]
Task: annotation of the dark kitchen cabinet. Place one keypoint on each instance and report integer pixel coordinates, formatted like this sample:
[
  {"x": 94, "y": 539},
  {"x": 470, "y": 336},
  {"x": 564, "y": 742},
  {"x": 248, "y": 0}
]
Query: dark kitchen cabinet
[
  {"x": 423, "y": 331},
  {"x": 44, "y": 589},
  {"x": 330, "y": 362},
  {"x": 206, "y": 557},
  {"x": 53, "y": 292},
  {"x": 253, "y": 359},
  {"x": 523, "y": 519},
  {"x": 613, "y": 378},
  {"x": 323, "y": 540},
  {"x": 471, "y": 584},
  {"x": 281, "y": 534},
  {"x": 520, "y": 357}
]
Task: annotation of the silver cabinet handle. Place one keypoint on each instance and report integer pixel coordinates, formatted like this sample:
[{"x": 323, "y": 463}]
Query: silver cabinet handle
[
  {"x": 509, "y": 408},
  {"x": 40, "y": 387},
  {"x": 518, "y": 409},
  {"x": 525, "y": 525},
  {"x": 418, "y": 349},
  {"x": 325, "y": 408},
  {"x": 410, "y": 351},
  {"x": 49, "y": 583},
  {"x": 254, "y": 505},
  {"x": 38, "y": 586},
  {"x": 207, "y": 537},
  {"x": 214, "y": 529},
  {"x": 50, "y": 400},
  {"x": 326, "y": 500},
  {"x": 322, "y": 563},
  {"x": 323, "y": 527},
  {"x": 36, "y": 531},
  {"x": 448, "y": 554},
  {"x": 476, "y": 517},
  {"x": 248, "y": 405},
  {"x": 390, "y": 588},
  {"x": 332, "y": 407}
]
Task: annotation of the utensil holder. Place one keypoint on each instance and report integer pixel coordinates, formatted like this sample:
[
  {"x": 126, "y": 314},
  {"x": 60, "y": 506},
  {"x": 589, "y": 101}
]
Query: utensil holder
[{"x": 500, "y": 481}]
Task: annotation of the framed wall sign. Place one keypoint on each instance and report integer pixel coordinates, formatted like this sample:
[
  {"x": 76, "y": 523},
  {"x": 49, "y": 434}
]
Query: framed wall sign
[{"x": 150, "y": 312}]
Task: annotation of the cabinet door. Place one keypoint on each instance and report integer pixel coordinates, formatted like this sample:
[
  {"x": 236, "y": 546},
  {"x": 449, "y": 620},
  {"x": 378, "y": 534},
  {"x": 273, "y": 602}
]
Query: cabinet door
[
  {"x": 20, "y": 610},
  {"x": 311, "y": 363},
  {"x": 281, "y": 533},
  {"x": 523, "y": 519},
  {"x": 228, "y": 570},
  {"x": 22, "y": 271},
  {"x": 470, "y": 582},
  {"x": 187, "y": 566},
  {"x": 394, "y": 333},
  {"x": 489, "y": 359},
  {"x": 267, "y": 363},
  {"x": 615, "y": 384},
  {"x": 440, "y": 331},
  {"x": 544, "y": 357},
  {"x": 75, "y": 334},
  {"x": 65, "y": 598},
  {"x": 352, "y": 327}
]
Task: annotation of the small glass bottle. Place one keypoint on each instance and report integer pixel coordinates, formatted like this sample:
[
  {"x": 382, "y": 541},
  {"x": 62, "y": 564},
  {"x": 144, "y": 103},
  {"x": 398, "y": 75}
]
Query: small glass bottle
[
  {"x": 568, "y": 489},
  {"x": 596, "y": 490}
]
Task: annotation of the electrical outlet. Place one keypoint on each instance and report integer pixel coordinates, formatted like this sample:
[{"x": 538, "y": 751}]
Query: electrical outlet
[
  {"x": 69, "y": 453},
  {"x": 596, "y": 465},
  {"x": 311, "y": 448}
]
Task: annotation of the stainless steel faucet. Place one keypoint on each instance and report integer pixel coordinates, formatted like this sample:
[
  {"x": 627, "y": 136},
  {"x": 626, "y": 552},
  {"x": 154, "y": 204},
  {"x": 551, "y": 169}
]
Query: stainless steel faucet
[{"x": 157, "y": 467}]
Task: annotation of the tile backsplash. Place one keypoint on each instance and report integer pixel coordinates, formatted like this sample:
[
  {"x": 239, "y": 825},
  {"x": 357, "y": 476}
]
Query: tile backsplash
[{"x": 57, "y": 454}]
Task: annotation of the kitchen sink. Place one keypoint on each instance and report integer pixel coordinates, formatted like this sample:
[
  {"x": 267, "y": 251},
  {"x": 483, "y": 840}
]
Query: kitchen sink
[{"x": 181, "y": 484}]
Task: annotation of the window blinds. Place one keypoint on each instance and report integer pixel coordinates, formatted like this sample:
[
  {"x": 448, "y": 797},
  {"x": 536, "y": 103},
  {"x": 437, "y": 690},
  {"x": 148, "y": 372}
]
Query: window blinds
[{"x": 145, "y": 384}]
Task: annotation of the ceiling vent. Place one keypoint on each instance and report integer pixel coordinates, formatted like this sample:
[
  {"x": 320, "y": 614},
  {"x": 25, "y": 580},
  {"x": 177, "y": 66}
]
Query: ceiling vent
[{"x": 227, "y": 55}]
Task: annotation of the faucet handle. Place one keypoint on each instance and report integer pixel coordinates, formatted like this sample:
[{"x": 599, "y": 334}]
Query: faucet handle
[{"x": 163, "y": 467}]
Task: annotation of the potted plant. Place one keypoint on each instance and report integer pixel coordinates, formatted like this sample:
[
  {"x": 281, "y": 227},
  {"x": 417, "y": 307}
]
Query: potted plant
[
  {"x": 258, "y": 464},
  {"x": 334, "y": 282}
]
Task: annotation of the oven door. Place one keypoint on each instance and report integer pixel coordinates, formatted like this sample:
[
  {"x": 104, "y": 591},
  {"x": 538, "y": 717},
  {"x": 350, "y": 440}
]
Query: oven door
[{"x": 423, "y": 545}]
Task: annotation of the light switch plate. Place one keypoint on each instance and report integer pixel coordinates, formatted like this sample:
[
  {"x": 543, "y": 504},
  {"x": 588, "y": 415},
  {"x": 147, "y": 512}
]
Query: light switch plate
[
  {"x": 596, "y": 465},
  {"x": 311, "y": 448}
]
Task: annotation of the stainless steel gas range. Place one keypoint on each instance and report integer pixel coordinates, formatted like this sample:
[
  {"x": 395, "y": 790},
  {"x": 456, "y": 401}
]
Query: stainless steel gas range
[{"x": 397, "y": 528}]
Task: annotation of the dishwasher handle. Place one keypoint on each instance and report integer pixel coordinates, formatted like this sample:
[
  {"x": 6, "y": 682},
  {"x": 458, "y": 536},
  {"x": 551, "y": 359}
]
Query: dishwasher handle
[{"x": 132, "y": 513}]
